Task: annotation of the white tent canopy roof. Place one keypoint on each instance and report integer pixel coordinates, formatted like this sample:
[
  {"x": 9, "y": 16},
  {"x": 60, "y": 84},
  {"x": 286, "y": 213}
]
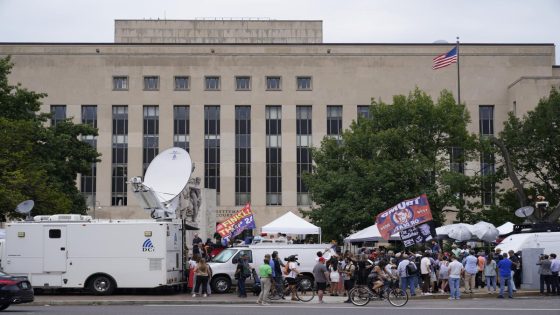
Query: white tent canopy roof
[
  {"x": 369, "y": 234},
  {"x": 505, "y": 228},
  {"x": 291, "y": 223}
]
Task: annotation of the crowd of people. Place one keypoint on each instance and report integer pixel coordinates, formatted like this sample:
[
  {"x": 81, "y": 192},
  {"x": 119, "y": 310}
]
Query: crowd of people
[{"x": 432, "y": 271}]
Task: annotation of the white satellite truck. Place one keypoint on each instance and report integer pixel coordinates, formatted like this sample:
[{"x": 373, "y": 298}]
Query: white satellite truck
[{"x": 75, "y": 251}]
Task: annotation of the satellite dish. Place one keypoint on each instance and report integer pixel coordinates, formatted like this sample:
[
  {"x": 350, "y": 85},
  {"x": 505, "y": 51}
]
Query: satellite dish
[
  {"x": 169, "y": 173},
  {"x": 25, "y": 207},
  {"x": 524, "y": 212}
]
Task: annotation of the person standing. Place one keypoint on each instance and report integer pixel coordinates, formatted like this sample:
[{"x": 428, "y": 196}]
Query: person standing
[
  {"x": 291, "y": 275},
  {"x": 443, "y": 273},
  {"x": 555, "y": 270},
  {"x": 348, "y": 276},
  {"x": 471, "y": 268},
  {"x": 480, "y": 271},
  {"x": 202, "y": 273},
  {"x": 504, "y": 266},
  {"x": 455, "y": 270},
  {"x": 195, "y": 244},
  {"x": 545, "y": 273},
  {"x": 277, "y": 265},
  {"x": 490, "y": 274},
  {"x": 334, "y": 276},
  {"x": 405, "y": 279},
  {"x": 242, "y": 272},
  {"x": 515, "y": 268},
  {"x": 265, "y": 273},
  {"x": 425, "y": 271},
  {"x": 321, "y": 274}
]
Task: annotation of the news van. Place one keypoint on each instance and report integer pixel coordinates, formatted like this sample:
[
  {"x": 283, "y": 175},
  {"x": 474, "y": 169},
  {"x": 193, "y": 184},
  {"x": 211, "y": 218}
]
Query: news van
[
  {"x": 225, "y": 263},
  {"x": 74, "y": 251}
]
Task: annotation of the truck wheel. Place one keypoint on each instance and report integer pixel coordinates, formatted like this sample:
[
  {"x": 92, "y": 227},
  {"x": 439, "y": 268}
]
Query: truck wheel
[
  {"x": 221, "y": 284},
  {"x": 101, "y": 285}
]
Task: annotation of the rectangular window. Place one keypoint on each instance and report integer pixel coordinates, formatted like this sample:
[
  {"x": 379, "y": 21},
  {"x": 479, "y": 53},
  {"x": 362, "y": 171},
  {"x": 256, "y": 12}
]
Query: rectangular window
[
  {"x": 486, "y": 119},
  {"x": 120, "y": 83},
  {"x": 58, "y": 113},
  {"x": 212, "y": 149},
  {"x": 363, "y": 111},
  {"x": 88, "y": 183},
  {"x": 243, "y": 83},
  {"x": 242, "y": 155},
  {"x": 182, "y": 83},
  {"x": 119, "y": 164},
  {"x": 151, "y": 134},
  {"x": 303, "y": 151},
  {"x": 273, "y": 115},
  {"x": 55, "y": 233},
  {"x": 151, "y": 83},
  {"x": 456, "y": 160},
  {"x": 181, "y": 126},
  {"x": 487, "y": 170},
  {"x": 334, "y": 122},
  {"x": 273, "y": 83},
  {"x": 212, "y": 83},
  {"x": 304, "y": 83}
]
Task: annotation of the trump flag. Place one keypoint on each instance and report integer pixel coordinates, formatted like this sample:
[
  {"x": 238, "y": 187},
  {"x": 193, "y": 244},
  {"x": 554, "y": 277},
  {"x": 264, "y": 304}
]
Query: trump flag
[
  {"x": 406, "y": 214},
  {"x": 238, "y": 222}
]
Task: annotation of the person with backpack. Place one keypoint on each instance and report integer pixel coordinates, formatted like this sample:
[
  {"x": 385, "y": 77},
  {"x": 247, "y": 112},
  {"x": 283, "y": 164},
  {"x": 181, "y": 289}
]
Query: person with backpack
[
  {"x": 348, "y": 274},
  {"x": 407, "y": 270}
]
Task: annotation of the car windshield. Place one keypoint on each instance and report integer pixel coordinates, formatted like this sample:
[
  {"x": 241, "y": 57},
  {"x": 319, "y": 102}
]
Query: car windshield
[{"x": 224, "y": 255}]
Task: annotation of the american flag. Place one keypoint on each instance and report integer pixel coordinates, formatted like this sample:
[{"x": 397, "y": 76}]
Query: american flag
[{"x": 446, "y": 59}]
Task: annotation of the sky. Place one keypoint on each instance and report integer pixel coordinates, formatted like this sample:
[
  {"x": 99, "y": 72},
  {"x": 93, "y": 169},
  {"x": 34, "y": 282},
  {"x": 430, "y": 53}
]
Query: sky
[{"x": 344, "y": 21}]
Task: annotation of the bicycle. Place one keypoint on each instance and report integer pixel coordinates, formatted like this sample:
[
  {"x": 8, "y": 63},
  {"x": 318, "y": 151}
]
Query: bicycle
[
  {"x": 304, "y": 290},
  {"x": 361, "y": 295}
]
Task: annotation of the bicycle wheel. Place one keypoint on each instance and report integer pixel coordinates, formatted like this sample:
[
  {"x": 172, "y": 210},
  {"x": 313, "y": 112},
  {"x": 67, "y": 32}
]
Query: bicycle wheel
[
  {"x": 397, "y": 297},
  {"x": 359, "y": 296},
  {"x": 304, "y": 293}
]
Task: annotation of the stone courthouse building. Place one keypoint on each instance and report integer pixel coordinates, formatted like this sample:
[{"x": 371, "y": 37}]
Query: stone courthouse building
[{"x": 249, "y": 98}]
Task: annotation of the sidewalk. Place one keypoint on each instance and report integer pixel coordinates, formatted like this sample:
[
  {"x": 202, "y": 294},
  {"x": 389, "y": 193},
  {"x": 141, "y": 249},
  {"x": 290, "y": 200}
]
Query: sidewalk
[{"x": 187, "y": 299}]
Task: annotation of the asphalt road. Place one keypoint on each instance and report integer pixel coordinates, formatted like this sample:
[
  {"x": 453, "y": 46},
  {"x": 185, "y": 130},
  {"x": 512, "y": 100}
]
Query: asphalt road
[{"x": 519, "y": 306}]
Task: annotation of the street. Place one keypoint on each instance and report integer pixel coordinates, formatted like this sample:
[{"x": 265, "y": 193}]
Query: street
[{"x": 533, "y": 305}]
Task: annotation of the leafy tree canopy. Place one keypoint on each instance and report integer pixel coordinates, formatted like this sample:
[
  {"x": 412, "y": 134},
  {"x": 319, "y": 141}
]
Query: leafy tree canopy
[
  {"x": 399, "y": 153},
  {"x": 533, "y": 144},
  {"x": 39, "y": 162}
]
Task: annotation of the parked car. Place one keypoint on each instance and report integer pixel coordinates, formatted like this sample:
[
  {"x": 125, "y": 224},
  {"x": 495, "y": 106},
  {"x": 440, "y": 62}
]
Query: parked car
[{"x": 14, "y": 290}]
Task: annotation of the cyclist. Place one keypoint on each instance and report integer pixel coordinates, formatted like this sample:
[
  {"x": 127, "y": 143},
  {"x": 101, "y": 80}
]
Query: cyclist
[{"x": 378, "y": 279}]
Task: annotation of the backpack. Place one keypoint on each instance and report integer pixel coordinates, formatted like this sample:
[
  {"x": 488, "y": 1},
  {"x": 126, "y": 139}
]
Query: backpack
[
  {"x": 287, "y": 269},
  {"x": 411, "y": 269}
]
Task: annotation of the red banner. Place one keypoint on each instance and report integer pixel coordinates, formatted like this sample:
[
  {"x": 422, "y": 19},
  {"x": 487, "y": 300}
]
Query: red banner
[
  {"x": 405, "y": 215},
  {"x": 235, "y": 224}
]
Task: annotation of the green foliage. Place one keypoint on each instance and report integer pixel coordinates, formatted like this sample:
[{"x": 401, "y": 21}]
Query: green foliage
[
  {"x": 399, "y": 153},
  {"x": 533, "y": 143},
  {"x": 38, "y": 162}
]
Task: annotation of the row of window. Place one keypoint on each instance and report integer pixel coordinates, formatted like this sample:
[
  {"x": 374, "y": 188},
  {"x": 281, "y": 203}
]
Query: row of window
[
  {"x": 242, "y": 147},
  {"x": 212, "y": 83}
]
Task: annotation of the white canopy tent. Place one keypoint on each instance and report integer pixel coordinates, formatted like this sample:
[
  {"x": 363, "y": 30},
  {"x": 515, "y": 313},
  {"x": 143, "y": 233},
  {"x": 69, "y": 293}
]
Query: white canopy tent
[
  {"x": 369, "y": 234},
  {"x": 291, "y": 223}
]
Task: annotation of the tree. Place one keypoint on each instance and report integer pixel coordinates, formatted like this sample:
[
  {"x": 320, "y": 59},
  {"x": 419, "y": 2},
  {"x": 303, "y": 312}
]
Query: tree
[
  {"x": 402, "y": 151},
  {"x": 39, "y": 162},
  {"x": 532, "y": 145}
]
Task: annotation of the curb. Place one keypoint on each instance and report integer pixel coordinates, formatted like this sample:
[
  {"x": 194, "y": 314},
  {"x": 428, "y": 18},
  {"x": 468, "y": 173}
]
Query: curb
[{"x": 60, "y": 302}]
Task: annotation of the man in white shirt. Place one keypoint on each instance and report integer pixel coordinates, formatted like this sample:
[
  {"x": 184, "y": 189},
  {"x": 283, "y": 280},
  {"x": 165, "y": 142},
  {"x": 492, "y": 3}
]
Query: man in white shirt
[
  {"x": 425, "y": 272},
  {"x": 555, "y": 268},
  {"x": 455, "y": 270}
]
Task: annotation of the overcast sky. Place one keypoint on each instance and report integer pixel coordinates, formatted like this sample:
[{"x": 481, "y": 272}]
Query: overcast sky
[{"x": 356, "y": 21}]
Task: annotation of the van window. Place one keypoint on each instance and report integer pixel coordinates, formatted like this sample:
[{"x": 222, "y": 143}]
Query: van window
[
  {"x": 224, "y": 255},
  {"x": 55, "y": 233},
  {"x": 244, "y": 252}
]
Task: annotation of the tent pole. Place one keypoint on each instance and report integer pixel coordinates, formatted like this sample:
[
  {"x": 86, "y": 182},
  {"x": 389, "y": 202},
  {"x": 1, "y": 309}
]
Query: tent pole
[{"x": 320, "y": 235}]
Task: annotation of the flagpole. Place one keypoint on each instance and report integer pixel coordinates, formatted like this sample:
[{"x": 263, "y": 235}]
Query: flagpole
[{"x": 458, "y": 76}]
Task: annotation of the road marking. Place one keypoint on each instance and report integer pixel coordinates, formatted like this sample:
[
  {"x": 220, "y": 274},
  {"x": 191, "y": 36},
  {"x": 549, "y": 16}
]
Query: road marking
[{"x": 332, "y": 306}]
